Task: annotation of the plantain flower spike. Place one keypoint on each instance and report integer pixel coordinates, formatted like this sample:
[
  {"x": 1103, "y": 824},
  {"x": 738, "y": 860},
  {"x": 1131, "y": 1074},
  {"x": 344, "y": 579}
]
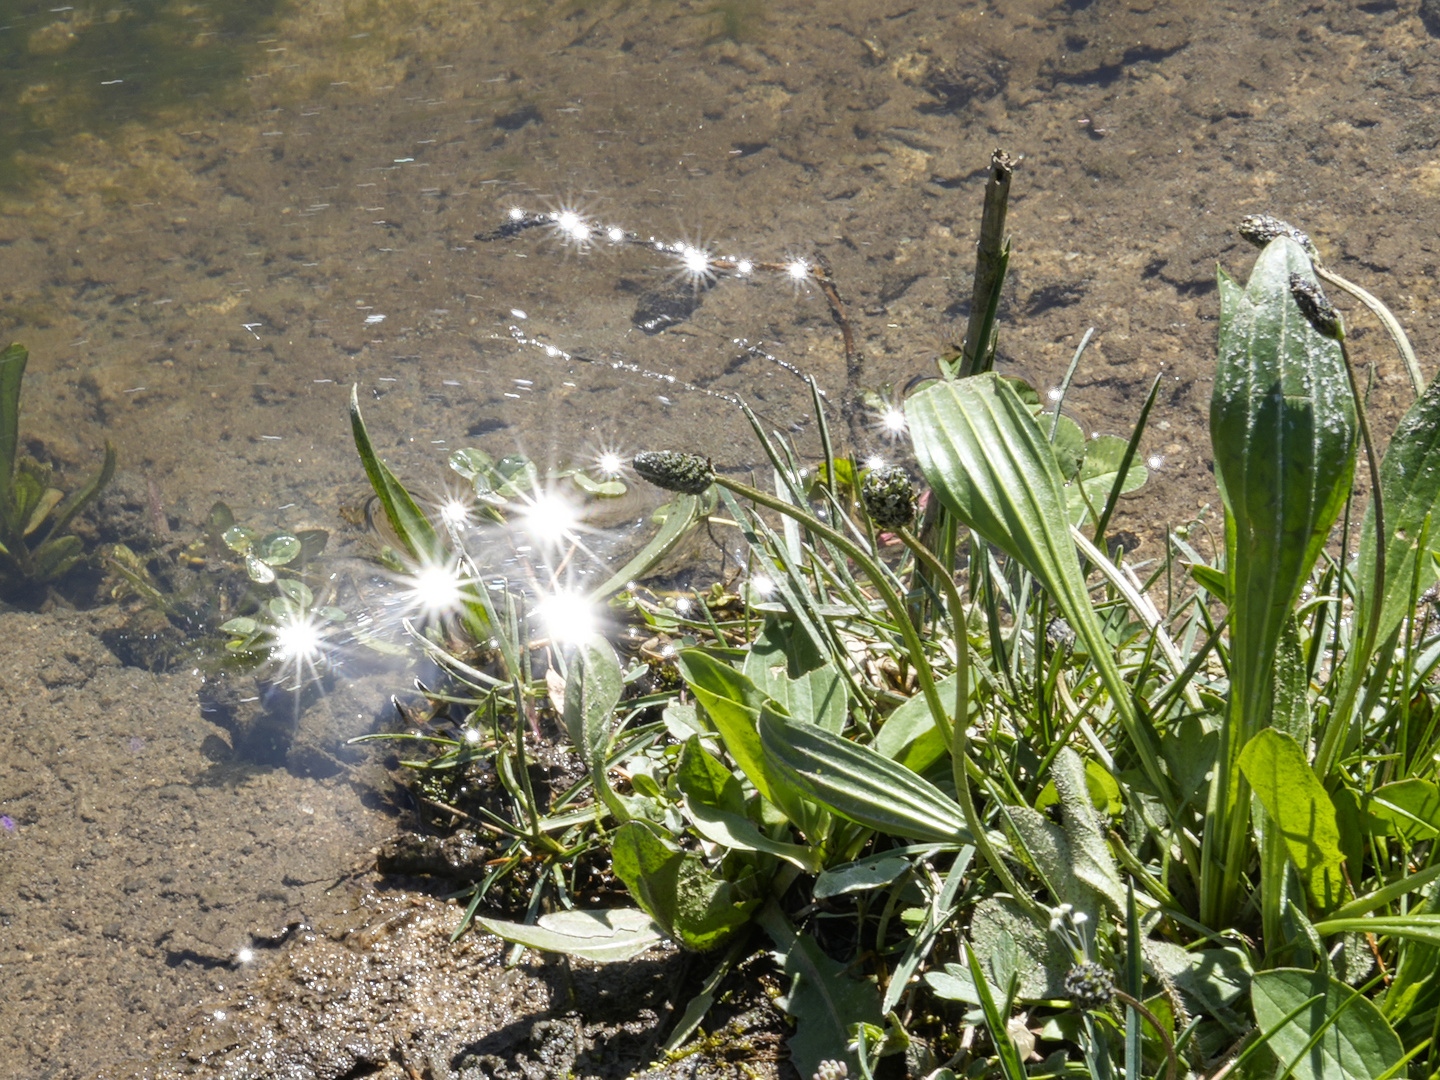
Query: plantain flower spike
[
  {"x": 1089, "y": 985},
  {"x": 689, "y": 474},
  {"x": 889, "y": 497},
  {"x": 1316, "y": 307},
  {"x": 1260, "y": 229}
]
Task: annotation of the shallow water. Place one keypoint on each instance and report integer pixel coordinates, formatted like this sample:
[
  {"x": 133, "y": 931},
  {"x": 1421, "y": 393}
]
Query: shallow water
[{"x": 205, "y": 255}]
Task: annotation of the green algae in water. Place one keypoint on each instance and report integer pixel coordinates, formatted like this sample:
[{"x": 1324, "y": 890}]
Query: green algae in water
[{"x": 89, "y": 68}]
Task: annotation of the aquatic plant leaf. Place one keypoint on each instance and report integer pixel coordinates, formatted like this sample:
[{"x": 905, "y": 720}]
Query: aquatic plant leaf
[
  {"x": 603, "y": 937},
  {"x": 407, "y": 519},
  {"x": 685, "y": 511},
  {"x": 470, "y": 463},
  {"x": 601, "y": 489},
  {"x": 239, "y": 538},
  {"x": 297, "y": 592},
  {"x": 47, "y": 500},
  {"x": 824, "y": 999},
  {"x": 1355, "y": 1042},
  {"x": 55, "y": 558},
  {"x": 12, "y": 376},
  {"x": 1298, "y": 805},
  {"x": 312, "y": 543},
  {"x": 278, "y": 548},
  {"x": 857, "y": 783},
  {"x": 81, "y": 496},
  {"x": 259, "y": 571}
]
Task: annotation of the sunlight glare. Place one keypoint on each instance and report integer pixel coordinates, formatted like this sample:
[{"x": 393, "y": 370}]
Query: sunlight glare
[
  {"x": 436, "y": 591},
  {"x": 298, "y": 642},
  {"x": 694, "y": 261},
  {"x": 567, "y": 616},
  {"x": 573, "y": 226},
  {"x": 455, "y": 512},
  {"x": 550, "y": 519}
]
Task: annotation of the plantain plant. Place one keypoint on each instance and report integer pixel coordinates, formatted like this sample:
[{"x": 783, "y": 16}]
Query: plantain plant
[
  {"x": 1039, "y": 807},
  {"x": 35, "y": 548}
]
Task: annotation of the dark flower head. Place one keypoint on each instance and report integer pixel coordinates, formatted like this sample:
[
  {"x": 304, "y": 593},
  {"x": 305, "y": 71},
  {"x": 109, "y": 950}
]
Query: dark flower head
[
  {"x": 889, "y": 497},
  {"x": 1089, "y": 985},
  {"x": 1316, "y": 307},
  {"x": 689, "y": 474},
  {"x": 1260, "y": 229}
]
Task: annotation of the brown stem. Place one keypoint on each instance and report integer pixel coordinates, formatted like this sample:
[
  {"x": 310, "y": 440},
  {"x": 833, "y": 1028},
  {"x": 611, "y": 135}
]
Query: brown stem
[{"x": 1172, "y": 1063}]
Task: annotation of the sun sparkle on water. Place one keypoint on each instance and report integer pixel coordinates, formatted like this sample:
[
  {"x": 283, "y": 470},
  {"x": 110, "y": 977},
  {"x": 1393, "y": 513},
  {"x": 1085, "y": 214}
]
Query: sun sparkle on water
[
  {"x": 892, "y": 421},
  {"x": 436, "y": 591},
  {"x": 551, "y": 519},
  {"x": 567, "y": 616}
]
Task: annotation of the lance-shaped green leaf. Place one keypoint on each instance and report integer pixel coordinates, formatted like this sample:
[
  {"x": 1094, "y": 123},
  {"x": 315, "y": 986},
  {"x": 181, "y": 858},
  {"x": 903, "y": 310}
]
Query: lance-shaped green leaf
[
  {"x": 1283, "y": 429},
  {"x": 858, "y": 784},
  {"x": 1410, "y": 490},
  {"x": 1411, "y": 807},
  {"x": 604, "y": 937},
  {"x": 407, "y": 519},
  {"x": 12, "y": 375},
  {"x": 685, "y": 511},
  {"x": 1300, "y": 808},
  {"x": 824, "y": 999},
  {"x": 733, "y": 704},
  {"x": 1284, "y": 432},
  {"x": 1410, "y": 486},
  {"x": 987, "y": 459},
  {"x": 591, "y": 693}
]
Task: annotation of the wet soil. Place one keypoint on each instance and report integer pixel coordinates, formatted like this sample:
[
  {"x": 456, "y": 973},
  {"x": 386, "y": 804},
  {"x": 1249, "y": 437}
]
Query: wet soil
[
  {"x": 201, "y": 283},
  {"x": 169, "y": 910}
]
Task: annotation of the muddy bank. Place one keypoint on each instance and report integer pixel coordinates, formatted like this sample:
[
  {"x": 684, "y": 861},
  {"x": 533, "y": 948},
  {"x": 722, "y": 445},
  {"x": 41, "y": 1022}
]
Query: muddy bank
[
  {"x": 169, "y": 908},
  {"x": 380, "y": 991}
]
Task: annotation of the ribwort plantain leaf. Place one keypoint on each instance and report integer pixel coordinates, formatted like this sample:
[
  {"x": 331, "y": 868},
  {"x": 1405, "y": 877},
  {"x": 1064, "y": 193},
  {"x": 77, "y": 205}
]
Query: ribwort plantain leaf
[{"x": 1284, "y": 432}]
